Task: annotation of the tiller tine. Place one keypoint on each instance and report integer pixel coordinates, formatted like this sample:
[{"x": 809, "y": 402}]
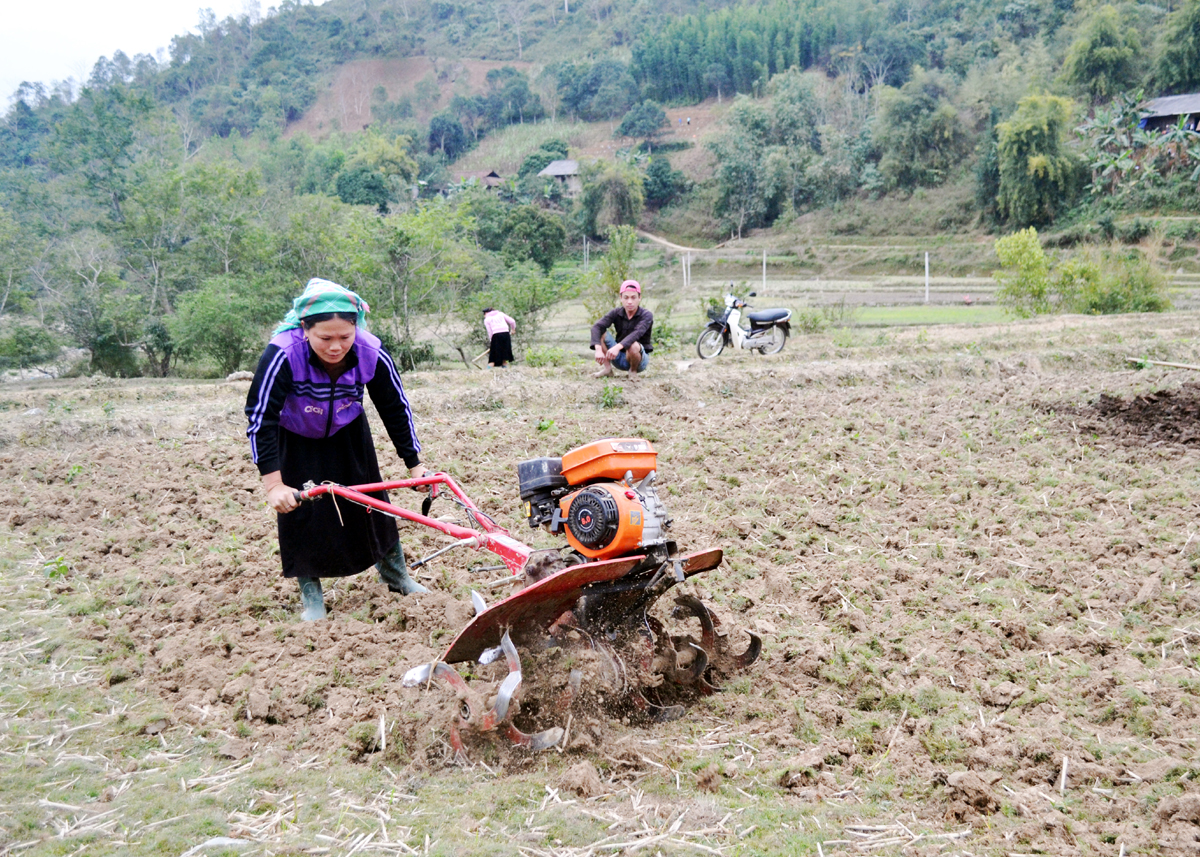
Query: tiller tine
[
  {"x": 473, "y": 713},
  {"x": 752, "y": 652},
  {"x": 660, "y": 713},
  {"x": 510, "y": 684},
  {"x": 708, "y": 629},
  {"x": 538, "y": 740},
  {"x": 699, "y": 668},
  {"x": 714, "y": 642}
]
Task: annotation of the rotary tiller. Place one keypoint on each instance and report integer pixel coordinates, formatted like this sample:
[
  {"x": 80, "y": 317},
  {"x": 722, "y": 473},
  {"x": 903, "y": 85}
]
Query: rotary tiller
[{"x": 593, "y": 596}]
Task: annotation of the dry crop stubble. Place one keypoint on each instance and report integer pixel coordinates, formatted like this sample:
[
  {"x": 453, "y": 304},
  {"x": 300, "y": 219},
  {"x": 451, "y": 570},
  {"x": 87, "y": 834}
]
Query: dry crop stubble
[{"x": 970, "y": 559}]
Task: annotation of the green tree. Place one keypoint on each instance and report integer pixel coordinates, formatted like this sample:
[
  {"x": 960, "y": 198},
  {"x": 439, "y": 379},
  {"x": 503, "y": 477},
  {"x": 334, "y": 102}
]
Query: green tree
[
  {"x": 612, "y": 195},
  {"x": 16, "y": 258},
  {"x": 548, "y": 152},
  {"x": 323, "y": 237},
  {"x": 535, "y": 162},
  {"x": 555, "y": 146},
  {"x": 662, "y": 184},
  {"x": 153, "y": 233},
  {"x": 387, "y": 156},
  {"x": 509, "y": 100},
  {"x": 525, "y": 293},
  {"x": 1102, "y": 62},
  {"x": 645, "y": 120},
  {"x": 221, "y": 211},
  {"x": 1177, "y": 65},
  {"x": 1096, "y": 281},
  {"x": 488, "y": 213},
  {"x": 95, "y": 141},
  {"x": 446, "y": 135},
  {"x": 533, "y": 235},
  {"x": 616, "y": 266},
  {"x": 601, "y": 90},
  {"x": 1120, "y": 279},
  {"x": 1024, "y": 278},
  {"x": 99, "y": 314},
  {"x": 361, "y": 185},
  {"x": 222, "y": 320},
  {"x": 741, "y": 201},
  {"x": 918, "y": 132},
  {"x": 1039, "y": 175},
  {"x": 431, "y": 264},
  {"x": 25, "y": 344}
]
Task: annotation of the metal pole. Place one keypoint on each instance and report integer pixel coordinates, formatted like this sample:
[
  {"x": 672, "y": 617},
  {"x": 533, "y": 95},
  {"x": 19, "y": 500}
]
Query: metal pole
[
  {"x": 927, "y": 277},
  {"x": 764, "y": 285}
]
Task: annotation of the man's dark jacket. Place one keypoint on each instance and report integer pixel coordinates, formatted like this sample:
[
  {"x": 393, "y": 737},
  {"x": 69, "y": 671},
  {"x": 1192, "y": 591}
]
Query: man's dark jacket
[{"x": 628, "y": 330}]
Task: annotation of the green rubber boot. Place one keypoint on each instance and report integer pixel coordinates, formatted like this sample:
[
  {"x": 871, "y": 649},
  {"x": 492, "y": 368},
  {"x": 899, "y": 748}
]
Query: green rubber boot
[
  {"x": 312, "y": 599},
  {"x": 394, "y": 573}
]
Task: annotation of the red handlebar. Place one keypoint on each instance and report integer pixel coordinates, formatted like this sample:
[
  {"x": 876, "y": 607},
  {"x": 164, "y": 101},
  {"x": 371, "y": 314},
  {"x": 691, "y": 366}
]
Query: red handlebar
[{"x": 493, "y": 537}]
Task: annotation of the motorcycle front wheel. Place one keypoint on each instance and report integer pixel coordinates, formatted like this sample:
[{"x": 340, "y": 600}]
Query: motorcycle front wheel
[
  {"x": 773, "y": 340},
  {"x": 710, "y": 343}
]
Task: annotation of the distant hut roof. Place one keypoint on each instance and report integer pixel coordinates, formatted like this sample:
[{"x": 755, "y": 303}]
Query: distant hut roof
[
  {"x": 557, "y": 169},
  {"x": 487, "y": 178},
  {"x": 1172, "y": 105}
]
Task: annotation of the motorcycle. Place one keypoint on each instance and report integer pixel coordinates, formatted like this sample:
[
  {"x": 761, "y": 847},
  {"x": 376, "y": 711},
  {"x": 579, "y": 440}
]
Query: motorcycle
[{"x": 767, "y": 334}]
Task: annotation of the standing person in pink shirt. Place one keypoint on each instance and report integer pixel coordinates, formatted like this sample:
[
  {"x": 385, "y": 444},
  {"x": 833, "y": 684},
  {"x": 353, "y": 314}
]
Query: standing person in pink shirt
[{"x": 500, "y": 329}]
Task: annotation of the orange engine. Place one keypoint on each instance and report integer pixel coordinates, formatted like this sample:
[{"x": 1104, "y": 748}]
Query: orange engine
[
  {"x": 610, "y": 458},
  {"x": 603, "y": 520},
  {"x": 600, "y": 495}
]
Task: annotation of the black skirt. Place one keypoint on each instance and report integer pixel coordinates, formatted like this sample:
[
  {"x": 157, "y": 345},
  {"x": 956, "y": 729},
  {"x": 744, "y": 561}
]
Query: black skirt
[
  {"x": 313, "y": 540},
  {"x": 500, "y": 349}
]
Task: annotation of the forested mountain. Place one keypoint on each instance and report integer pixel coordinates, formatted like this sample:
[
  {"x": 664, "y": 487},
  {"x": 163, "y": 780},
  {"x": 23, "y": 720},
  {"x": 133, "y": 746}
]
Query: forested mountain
[{"x": 158, "y": 214}]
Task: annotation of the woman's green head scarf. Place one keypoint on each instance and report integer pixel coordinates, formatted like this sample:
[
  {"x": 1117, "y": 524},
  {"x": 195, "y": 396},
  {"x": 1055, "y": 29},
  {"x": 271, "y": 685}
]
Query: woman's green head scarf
[{"x": 321, "y": 296}]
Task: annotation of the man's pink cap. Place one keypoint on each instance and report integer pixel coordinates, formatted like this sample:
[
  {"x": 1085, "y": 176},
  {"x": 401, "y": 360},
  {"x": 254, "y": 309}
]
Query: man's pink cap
[{"x": 631, "y": 286}]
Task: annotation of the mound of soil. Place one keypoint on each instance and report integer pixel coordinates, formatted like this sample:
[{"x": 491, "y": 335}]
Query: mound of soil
[{"x": 1164, "y": 416}]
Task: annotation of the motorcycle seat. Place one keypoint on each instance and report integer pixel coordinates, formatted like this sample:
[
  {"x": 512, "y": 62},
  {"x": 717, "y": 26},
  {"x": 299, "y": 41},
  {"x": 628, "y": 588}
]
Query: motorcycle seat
[{"x": 769, "y": 316}]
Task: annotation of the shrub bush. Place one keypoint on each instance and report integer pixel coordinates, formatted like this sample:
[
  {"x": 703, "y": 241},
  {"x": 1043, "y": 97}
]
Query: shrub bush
[
  {"x": 1024, "y": 279},
  {"x": 666, "y": 334},
  {"x": 808, "y": 321},
  {"x": 408, "y": 355},
  {"x": 1099, "y": 282},
  {"x": 545, "y": 355},
  {"x": 1184, "y": 230},
  {"x": 25, "y": 345},
  {"x": 1126, "y": 281},
  {"x": 1133, "y": 231}
]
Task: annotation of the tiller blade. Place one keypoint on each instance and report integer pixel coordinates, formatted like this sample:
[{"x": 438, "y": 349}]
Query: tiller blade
[{"x": 473, "y": 713}]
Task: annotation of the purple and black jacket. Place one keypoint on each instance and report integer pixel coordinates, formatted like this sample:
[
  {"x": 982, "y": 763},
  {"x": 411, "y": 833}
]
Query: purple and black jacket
[{"x": 292, "y": 390}]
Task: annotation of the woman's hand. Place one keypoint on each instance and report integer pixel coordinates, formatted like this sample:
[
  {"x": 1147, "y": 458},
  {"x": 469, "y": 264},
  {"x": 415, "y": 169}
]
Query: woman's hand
[
  {"x": 416, "y": 473},
  {"x": 280, "y": 497}
]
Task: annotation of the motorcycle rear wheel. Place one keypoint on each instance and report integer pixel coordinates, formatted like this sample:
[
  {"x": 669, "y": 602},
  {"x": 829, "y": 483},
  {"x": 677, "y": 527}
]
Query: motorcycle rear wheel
[
  {"x": 773, "y": 341},
  {"x": 710, "y": 343}
]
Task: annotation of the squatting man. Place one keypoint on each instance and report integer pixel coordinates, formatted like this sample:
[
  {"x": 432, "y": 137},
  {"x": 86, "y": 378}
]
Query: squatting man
[{"x": 633, "y": 323}]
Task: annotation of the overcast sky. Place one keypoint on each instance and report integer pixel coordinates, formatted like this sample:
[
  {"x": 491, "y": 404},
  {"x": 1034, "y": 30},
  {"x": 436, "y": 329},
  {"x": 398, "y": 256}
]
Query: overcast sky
[{"x": 49, "y": 40}]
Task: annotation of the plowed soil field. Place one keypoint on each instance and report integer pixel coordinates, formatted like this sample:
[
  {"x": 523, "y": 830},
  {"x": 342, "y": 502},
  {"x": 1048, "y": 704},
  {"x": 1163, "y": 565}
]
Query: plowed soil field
[{"x": 971, "y": 556}]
